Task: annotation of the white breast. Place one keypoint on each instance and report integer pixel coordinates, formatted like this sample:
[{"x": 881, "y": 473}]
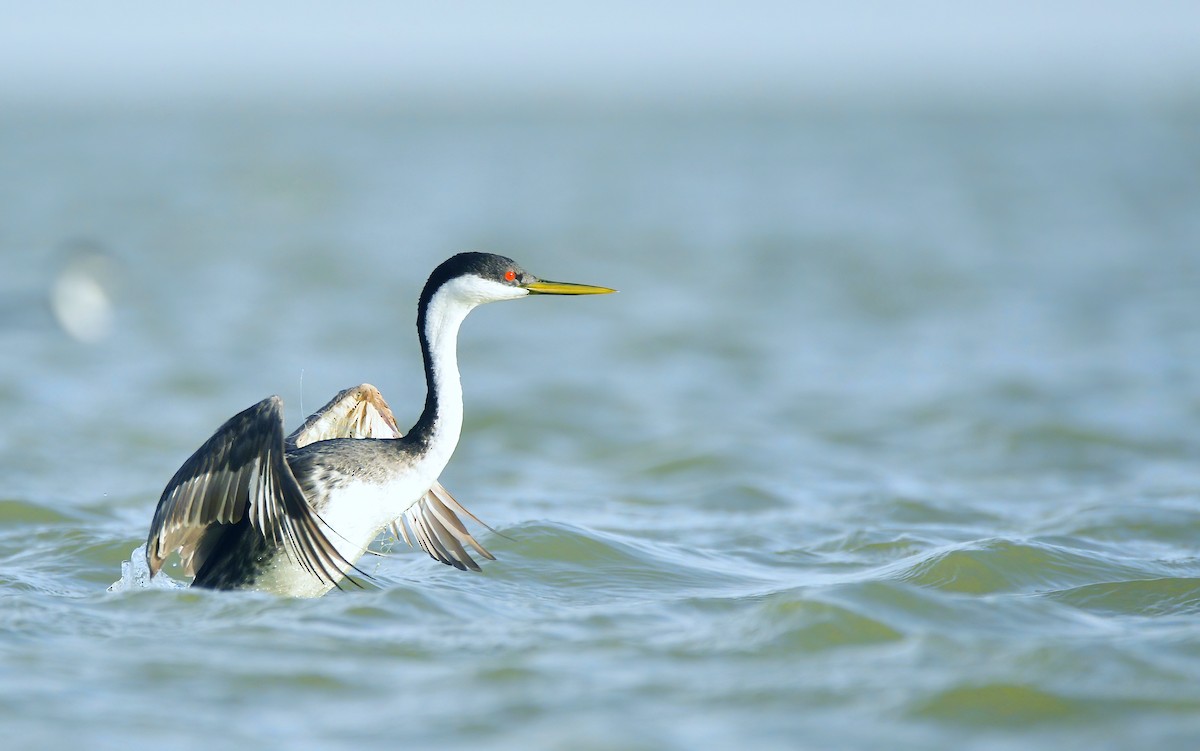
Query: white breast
[{"x": 361, "y": 510}]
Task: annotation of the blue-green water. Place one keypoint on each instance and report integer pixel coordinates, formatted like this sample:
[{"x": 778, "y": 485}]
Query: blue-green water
[{"x": 890, "y": 440}]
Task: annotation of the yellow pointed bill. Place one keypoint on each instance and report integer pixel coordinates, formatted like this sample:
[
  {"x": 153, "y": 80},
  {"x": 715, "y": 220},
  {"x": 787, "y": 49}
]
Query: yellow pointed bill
[{"x": 543, "y": 287}]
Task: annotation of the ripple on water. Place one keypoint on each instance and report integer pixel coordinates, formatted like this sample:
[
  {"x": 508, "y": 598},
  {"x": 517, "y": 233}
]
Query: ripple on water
[
  {"x": 1009, "y": 705},
  {"x": 15, "y": 512},
  {"x": 566, "y": 557},
  {"x": 1001, "y": 705},
  {"x": 1002, "y": 565},
  {"x": 789, "y": 622},
  {"x": 1141, "y": 597}
]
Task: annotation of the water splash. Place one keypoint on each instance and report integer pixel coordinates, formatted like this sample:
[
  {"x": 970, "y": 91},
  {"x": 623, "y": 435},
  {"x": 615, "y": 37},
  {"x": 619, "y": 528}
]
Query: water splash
[{"x": 135, "y": 574}]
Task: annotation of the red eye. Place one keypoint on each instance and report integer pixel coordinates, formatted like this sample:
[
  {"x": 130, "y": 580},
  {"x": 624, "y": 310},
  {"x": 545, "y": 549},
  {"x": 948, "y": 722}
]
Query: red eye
[{"x": 510, "y": 275}]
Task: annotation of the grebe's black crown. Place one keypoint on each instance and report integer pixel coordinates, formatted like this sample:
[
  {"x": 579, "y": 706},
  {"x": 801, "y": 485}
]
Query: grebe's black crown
[{"x": 485, "y": 265}]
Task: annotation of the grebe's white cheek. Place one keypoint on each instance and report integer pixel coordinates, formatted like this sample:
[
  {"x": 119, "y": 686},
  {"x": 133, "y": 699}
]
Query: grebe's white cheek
[{"x": 475, "y": 290}]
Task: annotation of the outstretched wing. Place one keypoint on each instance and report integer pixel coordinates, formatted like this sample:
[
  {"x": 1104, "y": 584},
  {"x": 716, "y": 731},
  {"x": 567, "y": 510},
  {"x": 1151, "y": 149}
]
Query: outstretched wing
[
  {"x": 358, "y": 412},
  {"x": 439, "y": 531},
  {"x": 361, "y": 412},
  {"x": 241, "y": 473}
]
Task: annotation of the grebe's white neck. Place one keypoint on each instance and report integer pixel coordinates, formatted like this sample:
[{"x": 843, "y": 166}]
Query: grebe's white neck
[{"x": 440, "y": 316}]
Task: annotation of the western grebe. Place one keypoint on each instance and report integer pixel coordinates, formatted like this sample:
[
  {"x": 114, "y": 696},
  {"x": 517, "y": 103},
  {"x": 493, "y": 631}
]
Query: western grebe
[{"x": 252, "y": 509}]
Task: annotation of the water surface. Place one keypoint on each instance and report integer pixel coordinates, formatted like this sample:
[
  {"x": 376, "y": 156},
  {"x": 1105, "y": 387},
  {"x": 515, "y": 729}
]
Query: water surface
[{"x": 889, "y": 440}]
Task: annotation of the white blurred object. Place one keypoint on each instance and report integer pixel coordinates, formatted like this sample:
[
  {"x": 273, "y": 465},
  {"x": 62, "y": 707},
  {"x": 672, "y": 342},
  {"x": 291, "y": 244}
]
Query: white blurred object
[{"x": 81, "y": 296}]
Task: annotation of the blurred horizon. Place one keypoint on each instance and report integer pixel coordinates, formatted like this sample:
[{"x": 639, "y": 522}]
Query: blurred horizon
[{"x": 267, "y": 53}]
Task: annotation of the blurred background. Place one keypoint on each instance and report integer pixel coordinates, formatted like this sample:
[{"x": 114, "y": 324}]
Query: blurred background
[{"x": 889, "y": 439}]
